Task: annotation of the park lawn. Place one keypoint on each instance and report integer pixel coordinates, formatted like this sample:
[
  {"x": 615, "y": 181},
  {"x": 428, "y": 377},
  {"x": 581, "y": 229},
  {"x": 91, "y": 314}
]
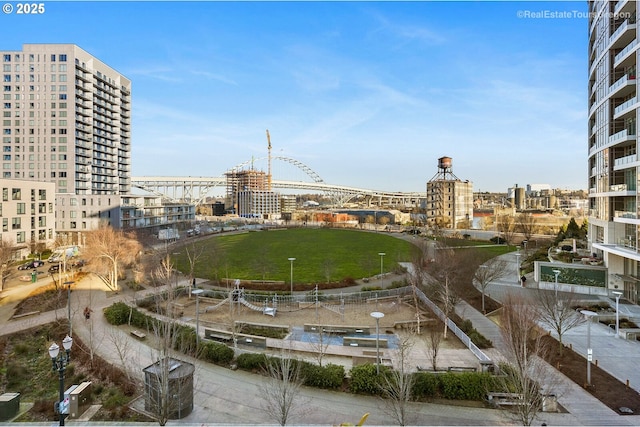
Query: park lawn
[{"x": 322, "y": 255}]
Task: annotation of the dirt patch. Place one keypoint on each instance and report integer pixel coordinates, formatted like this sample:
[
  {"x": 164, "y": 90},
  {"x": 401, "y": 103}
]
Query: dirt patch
[{"x": 604, "y": 386}]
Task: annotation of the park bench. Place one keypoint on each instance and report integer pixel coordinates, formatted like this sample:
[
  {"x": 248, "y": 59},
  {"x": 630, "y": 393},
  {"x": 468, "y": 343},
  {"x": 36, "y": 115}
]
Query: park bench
[
  {"x": 462, "y": 369},
  {"x": 139, "y": 334},
  {"x": 30, "y": 313},
  {"x": 505, "y": 399}
]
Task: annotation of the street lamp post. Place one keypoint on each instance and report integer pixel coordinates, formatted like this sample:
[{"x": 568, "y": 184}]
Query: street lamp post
[
  {"x": 382, "y": 254},
  {"x": 197, "y": 293},
  {"x": 291, "y": 260},
  {"x": 589, "y": 314},
  {"x": 518, "y": 265},
  {"x": 377, "y": 315},
  {"x": 557, "y": 273},
  {"x": 68, "y": 284},
  {"x": 60, "y": 362},
  {"x": 618, "y": 294}
]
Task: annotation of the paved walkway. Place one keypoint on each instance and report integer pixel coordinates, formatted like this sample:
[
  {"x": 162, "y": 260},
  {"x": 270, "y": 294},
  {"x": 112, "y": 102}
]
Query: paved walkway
[{"x": 618, "y": 357}]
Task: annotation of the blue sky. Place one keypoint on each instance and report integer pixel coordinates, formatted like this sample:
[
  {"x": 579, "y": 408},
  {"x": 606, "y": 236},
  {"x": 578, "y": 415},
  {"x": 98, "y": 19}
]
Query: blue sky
[{"x": 367, "y": 94}]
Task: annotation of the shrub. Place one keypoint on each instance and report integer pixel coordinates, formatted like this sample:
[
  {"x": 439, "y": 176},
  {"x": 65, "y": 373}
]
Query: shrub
[
  {"x": 497, "y": 240},
  {"x": 364, "y": 379},
  {"x": 425, "y": 385},
  {"x": 329, "y": 376},
  {"x": 117, "y": 313},
  {"x": 252, "y": 361},
  {"x": 464, "y": 386},
  {"x": 215, "y": 352}
]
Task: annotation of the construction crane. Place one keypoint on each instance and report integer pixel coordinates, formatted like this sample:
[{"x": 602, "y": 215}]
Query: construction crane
[{"x": 269, "y": 165}]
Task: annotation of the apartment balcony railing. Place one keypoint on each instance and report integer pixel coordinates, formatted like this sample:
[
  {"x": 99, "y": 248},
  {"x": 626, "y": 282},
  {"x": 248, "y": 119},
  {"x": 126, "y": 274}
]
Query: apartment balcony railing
[
  {"x": 624, "y": 106},
  {"x": 618, "y": 187},
  {"x": 628, "y": 242},
  {"x": 628, "y": 24},
  {"x": 620, "y": 136},
  {"x": 625, "y": 214},
  {"x": 621, "y": 82},
  {"x": 625, "y": 160},
  {"x": 624, "y": 52}
]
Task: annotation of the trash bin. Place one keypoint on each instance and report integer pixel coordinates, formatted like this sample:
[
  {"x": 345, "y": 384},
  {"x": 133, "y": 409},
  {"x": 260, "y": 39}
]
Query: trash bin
[
  {"x": 34, "y": 276},
  {"x": 549, "y": 403}
]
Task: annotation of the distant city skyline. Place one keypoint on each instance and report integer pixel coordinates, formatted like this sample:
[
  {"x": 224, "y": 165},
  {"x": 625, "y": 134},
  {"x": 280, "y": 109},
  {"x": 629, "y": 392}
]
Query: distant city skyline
[{"x": 367, "y": 94}]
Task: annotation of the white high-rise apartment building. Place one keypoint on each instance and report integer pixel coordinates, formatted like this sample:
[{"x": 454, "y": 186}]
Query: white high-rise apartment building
[
  {"x": 614, "y": 194},
  {"x": 66, "y": 119}
]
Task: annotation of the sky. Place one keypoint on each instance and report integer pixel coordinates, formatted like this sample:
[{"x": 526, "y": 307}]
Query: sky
[{"x": 366, "y": 94}]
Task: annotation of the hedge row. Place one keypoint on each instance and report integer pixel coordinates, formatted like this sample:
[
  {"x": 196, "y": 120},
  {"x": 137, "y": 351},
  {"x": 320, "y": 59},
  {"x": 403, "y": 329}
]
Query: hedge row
[
  {"x": 449, "y": 385},
  {"x": 328, "y": 377}
]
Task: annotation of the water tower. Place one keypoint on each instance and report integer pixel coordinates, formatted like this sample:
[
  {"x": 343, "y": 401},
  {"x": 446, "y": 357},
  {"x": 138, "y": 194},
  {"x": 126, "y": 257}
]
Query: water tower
[{"x": 449, "y": 199}]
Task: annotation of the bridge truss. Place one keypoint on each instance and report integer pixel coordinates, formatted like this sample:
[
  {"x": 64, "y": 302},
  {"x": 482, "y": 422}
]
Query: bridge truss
[{"x": 196, "y": 189}]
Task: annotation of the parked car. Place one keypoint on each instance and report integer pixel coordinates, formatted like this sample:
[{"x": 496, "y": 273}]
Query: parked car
[
  {"x": 31, "y": 264},
  {"x": 54, "y": 268},
  {"x": 77, "y": 263}
]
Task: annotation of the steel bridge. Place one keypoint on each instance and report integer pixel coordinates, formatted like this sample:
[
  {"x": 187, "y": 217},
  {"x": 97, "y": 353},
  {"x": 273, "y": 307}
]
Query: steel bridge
[{"x": 197, "y": 189}]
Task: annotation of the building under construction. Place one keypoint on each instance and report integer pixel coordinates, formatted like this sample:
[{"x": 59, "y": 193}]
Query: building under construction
[
  {"x": 449, "y": 199},
  {"x": 249, "y": 196}
]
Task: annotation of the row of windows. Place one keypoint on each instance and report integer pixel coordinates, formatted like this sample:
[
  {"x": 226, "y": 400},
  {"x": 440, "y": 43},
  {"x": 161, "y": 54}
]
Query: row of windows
[
  {"x": 53, "y": 97},
  {"x": 34, "y": 96},
  {"x": 42, "y": 235},
  {"x": 18, "y": 122},
  {"x": 31, "y": 174},
  {"x": 62, "y": 68},
  {"x": 62, "y": 57},
  {"x": 32, "y": 131},
  {"x": 7, "y": 157},
  {"x": 61, "y": 105},
  {"x": 16, "y": 194}
]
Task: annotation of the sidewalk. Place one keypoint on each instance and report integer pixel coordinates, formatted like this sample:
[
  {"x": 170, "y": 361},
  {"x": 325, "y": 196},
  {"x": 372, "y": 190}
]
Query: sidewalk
[{"x": 618, "y": 357}]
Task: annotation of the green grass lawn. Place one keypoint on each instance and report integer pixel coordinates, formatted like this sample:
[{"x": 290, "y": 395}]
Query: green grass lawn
[{"x": 322, "y": 255}]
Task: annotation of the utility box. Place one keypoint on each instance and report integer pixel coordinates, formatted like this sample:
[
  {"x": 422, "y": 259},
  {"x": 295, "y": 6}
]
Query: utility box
[
  {"x": 9, "y": 405},
  {"x": 174, "y": 378},
  {"x": 79, "y": 399}
]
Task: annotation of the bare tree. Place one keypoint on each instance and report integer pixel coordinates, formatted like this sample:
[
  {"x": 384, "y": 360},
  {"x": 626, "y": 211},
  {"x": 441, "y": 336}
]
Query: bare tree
[
  {"x": 109, "y": 251},
  {"x": 7, "y": 252},
  {"x": 320, "y": 344},
  {"x": 558, "y": 314},
  {"x": 506, "y": 225},
  {"x": 449, "y": 266},
  {"x": 433, "y": 340},
  {"x": 194, "y": 252},
  {"x": 527, "y": 224},
  {"x": 281, "y": 392},
  {"x": 160, "y": 391},
  {"x": 397, "y": 384},
  {"x": 524, "y": 372},
  {"x": 493, "y": 269},
  {"x": 328, "y": 268}
]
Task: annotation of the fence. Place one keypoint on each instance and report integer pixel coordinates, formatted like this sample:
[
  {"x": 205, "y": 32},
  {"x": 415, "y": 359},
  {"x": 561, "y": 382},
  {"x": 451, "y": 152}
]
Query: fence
[{"x": 363, "y": 298}]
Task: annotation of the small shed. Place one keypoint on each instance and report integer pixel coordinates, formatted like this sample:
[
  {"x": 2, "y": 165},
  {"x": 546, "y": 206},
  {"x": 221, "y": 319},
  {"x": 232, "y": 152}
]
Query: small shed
[
  {"x": 9, "y": 405},
  {"x": 168, "y": 388}
]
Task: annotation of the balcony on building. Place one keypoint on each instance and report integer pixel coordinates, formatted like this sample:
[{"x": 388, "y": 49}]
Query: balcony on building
[
  {"x": 625, "y": 54},
  {"x": 624, "y": 86},
  {"x": 625, "y": 162},
  {"x": 622, "y": 136},
  {"x": 624, "y": 33},
  {"x": 626, "y": 108}
]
